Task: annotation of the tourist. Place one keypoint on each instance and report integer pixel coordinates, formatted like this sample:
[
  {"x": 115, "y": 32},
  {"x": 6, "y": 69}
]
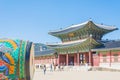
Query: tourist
[
  {"x": 64, "y": 64},
  {"x": 71, "y": 63},
  {"x": 59, "y": 68},
  {"x": 86, "y": 65},
  {"x": 55, "y": 67},
  {"x": 44, "y": 69},
  {"x": 50, "y": 67}
]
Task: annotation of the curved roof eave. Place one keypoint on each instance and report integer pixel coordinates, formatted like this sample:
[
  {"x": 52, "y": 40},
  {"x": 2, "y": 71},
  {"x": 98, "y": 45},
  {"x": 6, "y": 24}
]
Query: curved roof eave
[
  {"x": 72, "y": 44},
  {"x": 78, "y": 26},
  {"x": 106, "y": 27},
  {"x": 67, "y": 43},
  {"x": 69, "y": 29}
]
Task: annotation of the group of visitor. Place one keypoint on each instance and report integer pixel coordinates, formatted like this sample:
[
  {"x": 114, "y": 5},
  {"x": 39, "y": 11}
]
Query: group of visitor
[{"x": 53, "y": 67}]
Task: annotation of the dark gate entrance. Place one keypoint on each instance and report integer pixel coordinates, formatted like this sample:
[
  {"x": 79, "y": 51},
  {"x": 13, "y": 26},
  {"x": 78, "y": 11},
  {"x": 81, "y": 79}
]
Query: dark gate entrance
[{"x": 82, "y": 58}]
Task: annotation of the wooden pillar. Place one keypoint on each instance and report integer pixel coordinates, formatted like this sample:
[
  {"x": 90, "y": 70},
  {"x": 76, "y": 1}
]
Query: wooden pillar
[
  {"x": 75, "y": 59},
  {"x": 84, "y": 58},
  {"x": 58, "y": 61},
  {"x": 98, "y": 59},
  {"x": 90, "y": 58},
  {"x": 110, "y": 58},
  {"x": 78, "y": 59},
  {"x": 67, "y": 57},
  {"x": 55, "y": 61}
]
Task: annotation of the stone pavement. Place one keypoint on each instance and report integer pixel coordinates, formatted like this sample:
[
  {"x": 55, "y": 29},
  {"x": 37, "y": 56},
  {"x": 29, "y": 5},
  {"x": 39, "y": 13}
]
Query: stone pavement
[{"x": 77, "y": 75}]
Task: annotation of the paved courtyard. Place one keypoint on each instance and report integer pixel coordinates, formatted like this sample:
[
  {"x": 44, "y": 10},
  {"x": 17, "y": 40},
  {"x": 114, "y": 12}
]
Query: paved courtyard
[{"x": 77, "y": 75}]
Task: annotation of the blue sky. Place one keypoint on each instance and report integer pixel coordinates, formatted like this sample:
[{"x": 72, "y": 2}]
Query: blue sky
[{"x": 33, "y": 19}]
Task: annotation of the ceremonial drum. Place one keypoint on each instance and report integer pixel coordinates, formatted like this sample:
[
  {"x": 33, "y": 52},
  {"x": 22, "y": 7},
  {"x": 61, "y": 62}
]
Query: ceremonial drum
[{"x": 16, "y": 60}]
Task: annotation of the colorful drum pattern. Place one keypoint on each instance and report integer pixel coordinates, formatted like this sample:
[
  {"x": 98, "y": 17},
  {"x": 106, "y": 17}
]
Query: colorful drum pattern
[{"x": 16, "y": 59}]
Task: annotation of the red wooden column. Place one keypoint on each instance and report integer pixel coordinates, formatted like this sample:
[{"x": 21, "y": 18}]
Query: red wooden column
[
  {"x": 98, "y": 59},
  {"x": 78, "y": 59},
  {"x": 90, "y": 58},
  {"x": 58, "y": 60},
  {"x": 75, "y": 59},
  {"x": 110, "y": 58},
  {"x": 67, "y": 59}
]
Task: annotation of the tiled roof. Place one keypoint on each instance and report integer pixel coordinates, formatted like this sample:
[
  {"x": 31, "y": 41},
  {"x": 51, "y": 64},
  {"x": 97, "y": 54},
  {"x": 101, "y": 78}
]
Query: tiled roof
[
  {"x": 45, "y": 52},
  {"x": 42, "y": 50},
  {"x": 112, "y": 44},
  {"x": 108, "y": 45},
  {"x": 81, "y": 25}
]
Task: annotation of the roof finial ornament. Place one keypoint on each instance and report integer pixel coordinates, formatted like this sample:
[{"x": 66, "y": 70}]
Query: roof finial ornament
[
  {"x": 60, "y": 28},
  {"x": 90, "y": 19}
]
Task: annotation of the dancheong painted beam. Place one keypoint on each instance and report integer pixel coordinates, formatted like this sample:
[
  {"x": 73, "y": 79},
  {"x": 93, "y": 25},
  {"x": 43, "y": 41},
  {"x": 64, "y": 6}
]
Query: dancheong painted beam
[{"x": 16, "y": 60}]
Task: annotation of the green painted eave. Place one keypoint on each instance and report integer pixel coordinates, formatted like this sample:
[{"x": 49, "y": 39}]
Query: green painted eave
[{"x": 85, "y": 46}]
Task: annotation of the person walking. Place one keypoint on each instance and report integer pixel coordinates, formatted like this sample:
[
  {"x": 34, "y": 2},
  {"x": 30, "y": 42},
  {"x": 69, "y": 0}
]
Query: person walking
[
  {"x": 59, "y": 68},
  {"x": 44, "y": 69},
  {"x": 54, "y": 66},
  {"x": 51, "y": 67}
]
